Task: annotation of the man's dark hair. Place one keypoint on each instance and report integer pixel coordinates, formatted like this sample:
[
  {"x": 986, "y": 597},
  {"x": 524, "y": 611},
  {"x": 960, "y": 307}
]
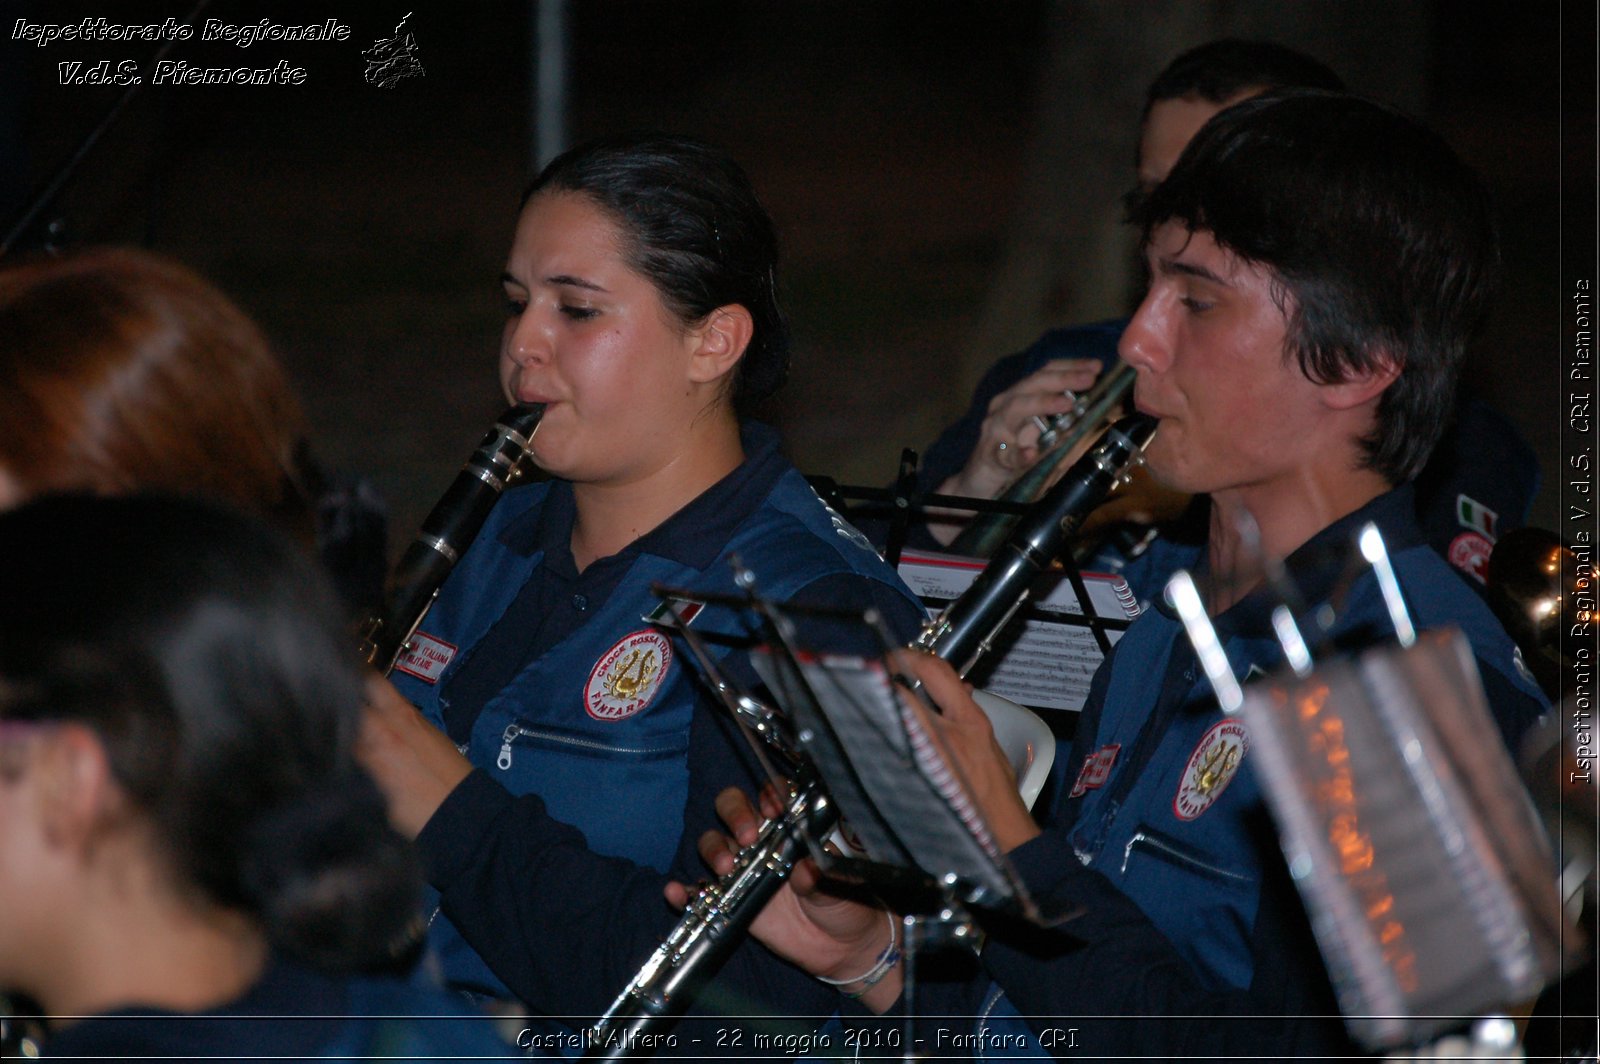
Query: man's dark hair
[
  {"x": 1219, "y": 70},
  {"x": 1380, "y": 239}
]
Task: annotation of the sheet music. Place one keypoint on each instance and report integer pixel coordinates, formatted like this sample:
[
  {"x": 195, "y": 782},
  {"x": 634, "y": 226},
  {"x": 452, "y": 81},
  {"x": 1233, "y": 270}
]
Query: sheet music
[
  {"x": 894, "y": 789},
  {"x": 1049, "y": 662}
]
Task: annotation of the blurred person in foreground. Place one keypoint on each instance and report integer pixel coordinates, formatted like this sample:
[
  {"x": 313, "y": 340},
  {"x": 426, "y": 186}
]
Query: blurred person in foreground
[
  {"x": 121, "y": 370},
  {"x": 191, "y": 863}
]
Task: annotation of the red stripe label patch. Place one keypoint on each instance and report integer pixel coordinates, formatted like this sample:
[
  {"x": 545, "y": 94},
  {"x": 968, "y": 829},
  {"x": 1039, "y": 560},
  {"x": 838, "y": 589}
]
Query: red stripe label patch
[
  {"x": 1096, "y": 769},
  {"x": 425, "y": 657}
]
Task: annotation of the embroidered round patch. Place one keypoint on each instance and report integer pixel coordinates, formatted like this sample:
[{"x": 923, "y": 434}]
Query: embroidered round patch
[
  {"x": 627, "y": 676},
  {"x": 1469, "y": 552},
  {"x": 1211, "y": 768}
]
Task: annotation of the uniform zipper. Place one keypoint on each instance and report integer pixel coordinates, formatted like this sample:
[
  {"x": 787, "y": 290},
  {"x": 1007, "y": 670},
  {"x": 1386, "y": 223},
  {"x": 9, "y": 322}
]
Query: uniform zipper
[
  {"x": 516, "y": 731},
  {"x": 1180, "y": 855}
]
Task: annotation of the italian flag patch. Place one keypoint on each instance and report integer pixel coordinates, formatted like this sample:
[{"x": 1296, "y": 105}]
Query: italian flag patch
[
  {"x": 686, "y": 608},
  {"x": 1476, "y": 516}
]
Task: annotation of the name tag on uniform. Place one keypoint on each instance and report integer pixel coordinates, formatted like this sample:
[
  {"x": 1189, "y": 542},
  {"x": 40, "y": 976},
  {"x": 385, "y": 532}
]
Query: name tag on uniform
[
  {"x": 425, "y": 657},
  {"x": 1096, "y": 769}
]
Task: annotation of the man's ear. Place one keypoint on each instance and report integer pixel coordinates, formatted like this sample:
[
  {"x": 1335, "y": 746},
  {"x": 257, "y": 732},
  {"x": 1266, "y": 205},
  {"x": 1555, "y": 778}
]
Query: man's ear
[
  {"x": 75, "y": 784},
  {"x": 720, "y": 341},
  {"x": 1361, "y": 386}
]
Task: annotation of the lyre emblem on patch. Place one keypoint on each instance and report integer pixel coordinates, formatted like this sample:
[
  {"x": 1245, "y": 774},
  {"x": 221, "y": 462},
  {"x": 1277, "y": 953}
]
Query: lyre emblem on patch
[
  {"x": 1218, "y": 764},
  {"x": 1469, "y": 552},
  {"x": 627, "y": 676},
  {"x": 1211, "y": 768},
  {"x": 633, "y": 675}
]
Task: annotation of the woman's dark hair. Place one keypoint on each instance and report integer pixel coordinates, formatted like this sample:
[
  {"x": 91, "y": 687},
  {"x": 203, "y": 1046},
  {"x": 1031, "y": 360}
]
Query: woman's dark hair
[
  {"x": 209, "y": 658},
  {"x": 696, "y": 229},
  {"x": 1381, "y": 238}
]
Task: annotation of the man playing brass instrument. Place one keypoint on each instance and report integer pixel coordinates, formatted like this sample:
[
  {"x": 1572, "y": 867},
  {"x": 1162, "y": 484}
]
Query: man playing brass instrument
[
  {"x": 1317, "y": 262},
  {"x": 1479, "y": 482}
]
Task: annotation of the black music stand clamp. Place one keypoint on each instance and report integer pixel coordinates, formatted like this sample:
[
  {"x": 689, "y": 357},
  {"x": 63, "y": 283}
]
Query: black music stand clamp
[{"x": 895, "y": 508}]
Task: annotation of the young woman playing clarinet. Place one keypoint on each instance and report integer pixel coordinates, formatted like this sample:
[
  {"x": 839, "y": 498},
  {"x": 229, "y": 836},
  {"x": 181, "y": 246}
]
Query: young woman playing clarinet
[{"x": 642, "y": 312}]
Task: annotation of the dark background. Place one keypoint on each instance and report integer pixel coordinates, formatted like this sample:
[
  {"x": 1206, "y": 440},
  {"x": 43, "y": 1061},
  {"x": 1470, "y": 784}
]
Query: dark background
[{"x": 912, "y": 153}]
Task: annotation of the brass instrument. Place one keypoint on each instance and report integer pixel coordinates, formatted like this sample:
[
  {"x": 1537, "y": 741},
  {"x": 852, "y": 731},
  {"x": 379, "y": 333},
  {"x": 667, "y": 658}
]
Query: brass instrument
[
  {"x": 1532, "y": 589},
  {"x": 1060, "y": 438},
  {"x": 448, "y": 531},
  {"x": 961, "y": 634},
  {"x": 717, "y": 917}
]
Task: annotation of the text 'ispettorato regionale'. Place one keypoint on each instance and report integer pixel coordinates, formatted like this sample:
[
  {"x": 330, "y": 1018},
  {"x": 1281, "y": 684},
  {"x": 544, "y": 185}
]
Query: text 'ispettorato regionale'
[{"x": 177, "y": 72}]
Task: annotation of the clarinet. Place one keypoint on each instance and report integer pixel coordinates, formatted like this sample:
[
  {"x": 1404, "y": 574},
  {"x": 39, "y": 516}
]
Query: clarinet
[
  {"x": 963, "y": 632},
  {"x": 447, "y": 532},
  {"x": 717, "y": 917}
]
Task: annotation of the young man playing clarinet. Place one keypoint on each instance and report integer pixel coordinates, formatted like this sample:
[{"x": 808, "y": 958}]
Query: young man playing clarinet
[{"x": 1317, "y": 263}]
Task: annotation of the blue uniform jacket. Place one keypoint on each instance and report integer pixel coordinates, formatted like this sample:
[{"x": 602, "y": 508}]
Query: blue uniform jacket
[
  {"x": 1154, "y": 829},
  {"x": 1160, "y": 833},
  {"x": 600, "y": 725}
]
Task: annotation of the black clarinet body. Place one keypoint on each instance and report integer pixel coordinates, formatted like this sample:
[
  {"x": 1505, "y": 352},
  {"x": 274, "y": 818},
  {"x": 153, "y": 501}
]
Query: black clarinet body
[
  {"x": 962, "y": 633},
  {"x": 448, "y": 531},
  {"x": 718, "y": 916},
  {"x": 987, "y": 531}
]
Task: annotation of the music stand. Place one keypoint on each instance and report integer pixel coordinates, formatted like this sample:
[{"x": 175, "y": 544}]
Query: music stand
[
  {"x": 913, "y": 834},
  {"x": 1403, "y": 822}
]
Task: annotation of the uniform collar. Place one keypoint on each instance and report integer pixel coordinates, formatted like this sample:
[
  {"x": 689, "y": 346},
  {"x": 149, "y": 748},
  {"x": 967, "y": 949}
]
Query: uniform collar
[
  {"x": 1319, "y": 566},
  {"x": 694, "y": 536}
]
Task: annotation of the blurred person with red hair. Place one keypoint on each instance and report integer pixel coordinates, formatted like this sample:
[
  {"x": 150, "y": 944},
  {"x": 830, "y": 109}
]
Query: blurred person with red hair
[{"x": 122, "y": 371}]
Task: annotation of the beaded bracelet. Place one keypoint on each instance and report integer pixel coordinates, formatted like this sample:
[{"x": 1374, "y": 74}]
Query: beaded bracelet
[{"x": 883, "y": 966}]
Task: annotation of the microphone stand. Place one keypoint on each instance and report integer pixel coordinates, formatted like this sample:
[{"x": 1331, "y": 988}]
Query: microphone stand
[{"x": 53, "y": 186}]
